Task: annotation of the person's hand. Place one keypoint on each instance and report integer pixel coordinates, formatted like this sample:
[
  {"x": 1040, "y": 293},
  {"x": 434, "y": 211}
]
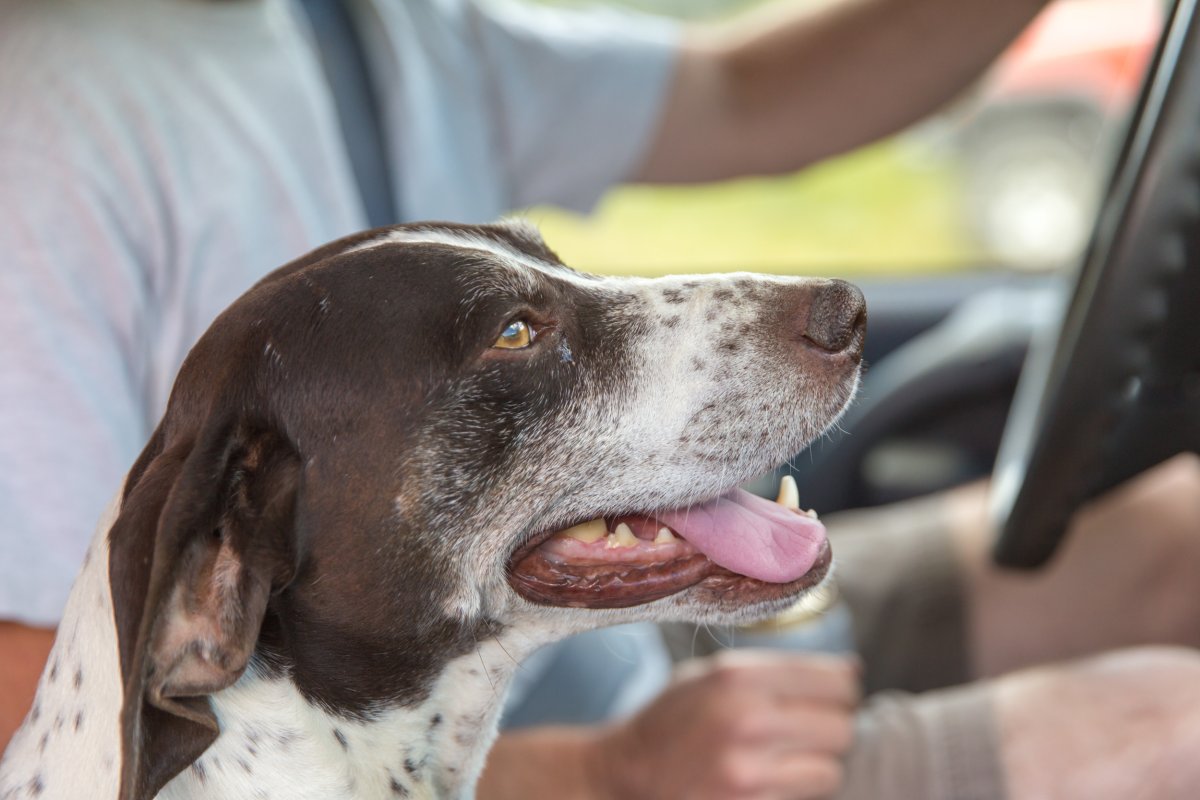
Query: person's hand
[
  {"x": 1124, "y": 724},
  {"x": 740, "y": 725}
]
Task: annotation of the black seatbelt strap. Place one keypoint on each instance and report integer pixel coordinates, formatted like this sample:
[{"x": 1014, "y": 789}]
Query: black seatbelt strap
[{"x": 343, "y": 58}]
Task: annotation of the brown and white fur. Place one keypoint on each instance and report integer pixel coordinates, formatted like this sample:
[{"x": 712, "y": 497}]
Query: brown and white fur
[{"x": 303, "y": 589}]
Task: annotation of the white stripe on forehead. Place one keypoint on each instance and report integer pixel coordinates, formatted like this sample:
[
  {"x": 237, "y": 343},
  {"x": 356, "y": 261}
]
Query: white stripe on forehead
[
  {"x": 504, "y": 253},
  {"x": 521, "y": 263}
]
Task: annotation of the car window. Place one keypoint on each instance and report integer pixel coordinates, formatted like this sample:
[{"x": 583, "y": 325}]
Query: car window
[{"x": 1007, "y": 176}]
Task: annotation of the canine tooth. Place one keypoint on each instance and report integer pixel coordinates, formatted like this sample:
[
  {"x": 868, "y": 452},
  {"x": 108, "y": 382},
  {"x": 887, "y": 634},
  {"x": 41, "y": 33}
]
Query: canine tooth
[
  {"x": 664, "y": 536},
  {"x": 622, "y": 537},
  {"x": 789, "y": 495},
  {"x": 590, "y": 531}
]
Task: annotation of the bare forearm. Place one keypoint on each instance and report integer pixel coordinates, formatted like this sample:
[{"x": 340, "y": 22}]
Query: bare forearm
[
  {"x": 1020, "y": 619},
  {"x": 541, "y": 764},
  {"x": 784, "y": 87},
  {"x": 23, "y": 653}
]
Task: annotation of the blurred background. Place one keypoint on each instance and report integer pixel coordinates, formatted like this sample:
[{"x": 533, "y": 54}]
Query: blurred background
[{"x": 1006, "y": 178}]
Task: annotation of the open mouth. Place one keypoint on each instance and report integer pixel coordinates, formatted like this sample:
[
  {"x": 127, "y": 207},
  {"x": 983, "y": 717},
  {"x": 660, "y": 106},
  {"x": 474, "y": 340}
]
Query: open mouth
[{"x": 739, "y": 545}]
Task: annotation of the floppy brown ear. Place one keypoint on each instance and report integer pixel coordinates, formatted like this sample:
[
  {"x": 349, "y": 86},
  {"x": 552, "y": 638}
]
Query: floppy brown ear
[{"x": 203, "y": 538}]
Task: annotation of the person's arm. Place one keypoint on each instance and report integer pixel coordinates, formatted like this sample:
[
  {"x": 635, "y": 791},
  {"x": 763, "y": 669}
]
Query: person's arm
[
  {"x": 543, "y": 761},
  {"x": 786, "y": 86},
  {"x": 742, "y": 724},
  {"x": 1124, "y": 575},
  {"x": 25, "y": 650}
]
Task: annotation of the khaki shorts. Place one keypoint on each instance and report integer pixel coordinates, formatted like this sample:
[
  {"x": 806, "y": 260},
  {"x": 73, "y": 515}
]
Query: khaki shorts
[
  {"x": 898, "y": 576},
  {"x": 936, "y": 746}
]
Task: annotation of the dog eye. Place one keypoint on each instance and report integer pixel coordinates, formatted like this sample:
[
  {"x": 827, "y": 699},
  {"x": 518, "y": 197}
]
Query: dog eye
[{"x": 516, "y": 335}]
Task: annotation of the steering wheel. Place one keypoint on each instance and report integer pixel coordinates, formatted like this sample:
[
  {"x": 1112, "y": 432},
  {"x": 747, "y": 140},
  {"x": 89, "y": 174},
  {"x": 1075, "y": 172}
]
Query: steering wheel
[{"x": 1115, "y": 388}]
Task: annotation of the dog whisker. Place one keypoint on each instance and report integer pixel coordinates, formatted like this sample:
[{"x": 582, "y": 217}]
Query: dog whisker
[
  {"x": 500, "y": 644},
  {"x": 483, "y": 664}
]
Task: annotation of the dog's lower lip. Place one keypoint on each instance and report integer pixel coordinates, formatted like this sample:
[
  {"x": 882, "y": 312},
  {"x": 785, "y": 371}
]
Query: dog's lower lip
[
  {"x": 614, "y": 561},
  {"x": 542, "y": 582}
]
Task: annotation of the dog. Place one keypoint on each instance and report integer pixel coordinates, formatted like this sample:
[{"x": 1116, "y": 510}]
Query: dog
[{"x": 395, "y": 467}]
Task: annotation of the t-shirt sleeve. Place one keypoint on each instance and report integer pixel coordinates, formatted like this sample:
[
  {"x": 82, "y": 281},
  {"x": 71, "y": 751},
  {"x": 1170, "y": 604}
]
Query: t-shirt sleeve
[
  {"x": 72, "y": 411},
  {"x": 576, "y": 94}
]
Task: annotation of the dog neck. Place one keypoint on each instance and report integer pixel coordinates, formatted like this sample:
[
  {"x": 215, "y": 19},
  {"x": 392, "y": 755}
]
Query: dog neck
[{"x": 273, "y": 741}]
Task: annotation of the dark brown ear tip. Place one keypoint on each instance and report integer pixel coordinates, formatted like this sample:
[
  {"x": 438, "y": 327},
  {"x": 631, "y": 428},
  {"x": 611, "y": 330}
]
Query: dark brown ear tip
[
  {"x": 180, "y": 736},
  {"x": 193, "y": 708}
]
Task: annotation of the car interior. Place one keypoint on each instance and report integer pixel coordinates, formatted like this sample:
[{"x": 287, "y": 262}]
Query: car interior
[
  {"x": 1030, "y": 259},
  {"x": 1060, "y": 379},
  {"x": 1117, "y": 388},
  {"x": 1103, "y": 361}
]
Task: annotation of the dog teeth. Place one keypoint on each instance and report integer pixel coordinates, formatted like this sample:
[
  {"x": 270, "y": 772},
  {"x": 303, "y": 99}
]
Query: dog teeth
[
  {"x": 664, "y": 536},
  {"x": 588, "y": 532},
  {"x": 789, "y": 495},
  {"x": 622, "y": 537}
]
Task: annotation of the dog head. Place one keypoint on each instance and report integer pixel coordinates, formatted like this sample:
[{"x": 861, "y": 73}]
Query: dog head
[{"x": 369, "y": 461}]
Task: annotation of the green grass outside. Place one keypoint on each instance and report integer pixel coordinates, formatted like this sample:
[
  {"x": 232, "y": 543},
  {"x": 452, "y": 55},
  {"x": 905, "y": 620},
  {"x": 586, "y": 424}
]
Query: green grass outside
[{"x": 878, "y": 211}]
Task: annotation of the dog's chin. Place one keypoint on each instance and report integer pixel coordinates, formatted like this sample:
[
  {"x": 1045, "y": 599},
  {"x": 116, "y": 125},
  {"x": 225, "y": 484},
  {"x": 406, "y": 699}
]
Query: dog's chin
[{"x": 736, "y": 558}]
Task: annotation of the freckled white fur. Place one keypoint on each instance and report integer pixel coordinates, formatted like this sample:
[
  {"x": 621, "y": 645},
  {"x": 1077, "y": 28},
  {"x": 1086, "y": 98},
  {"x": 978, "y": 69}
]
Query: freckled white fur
[{"x": 445, "y": 757}]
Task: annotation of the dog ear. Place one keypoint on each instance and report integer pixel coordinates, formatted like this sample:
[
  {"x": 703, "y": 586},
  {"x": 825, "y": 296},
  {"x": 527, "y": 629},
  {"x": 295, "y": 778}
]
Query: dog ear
[{"x": 203, "y": 538}]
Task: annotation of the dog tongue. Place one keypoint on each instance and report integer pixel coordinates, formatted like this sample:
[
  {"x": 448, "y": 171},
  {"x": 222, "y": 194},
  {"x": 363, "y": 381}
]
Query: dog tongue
[{"x": 750, "y": 536}]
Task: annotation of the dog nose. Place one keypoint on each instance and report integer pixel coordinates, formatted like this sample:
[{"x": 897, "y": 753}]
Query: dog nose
[{"x": 837, "y": 317}]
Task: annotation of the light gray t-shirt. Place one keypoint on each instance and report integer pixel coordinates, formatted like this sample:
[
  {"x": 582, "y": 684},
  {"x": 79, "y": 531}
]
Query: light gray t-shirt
[{"x": 157, "y": 157}]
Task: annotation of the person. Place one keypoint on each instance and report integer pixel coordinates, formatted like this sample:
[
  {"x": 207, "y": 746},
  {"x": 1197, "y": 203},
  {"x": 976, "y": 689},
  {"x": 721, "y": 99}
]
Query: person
[
  {"x": 1023, "y": 692},
  {"x": 156, "y": 157}
]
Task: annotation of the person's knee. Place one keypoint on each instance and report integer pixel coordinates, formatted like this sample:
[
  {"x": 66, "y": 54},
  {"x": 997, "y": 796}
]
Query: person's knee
[{"x": 1118, "y": 725}]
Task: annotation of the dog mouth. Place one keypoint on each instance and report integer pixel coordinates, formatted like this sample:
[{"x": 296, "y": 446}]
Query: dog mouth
[{"x": 738, "y": 545}]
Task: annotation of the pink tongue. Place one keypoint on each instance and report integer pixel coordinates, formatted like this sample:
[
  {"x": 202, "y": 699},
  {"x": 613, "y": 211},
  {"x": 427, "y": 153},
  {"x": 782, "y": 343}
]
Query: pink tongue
[{"x": 750, "y": 536}]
